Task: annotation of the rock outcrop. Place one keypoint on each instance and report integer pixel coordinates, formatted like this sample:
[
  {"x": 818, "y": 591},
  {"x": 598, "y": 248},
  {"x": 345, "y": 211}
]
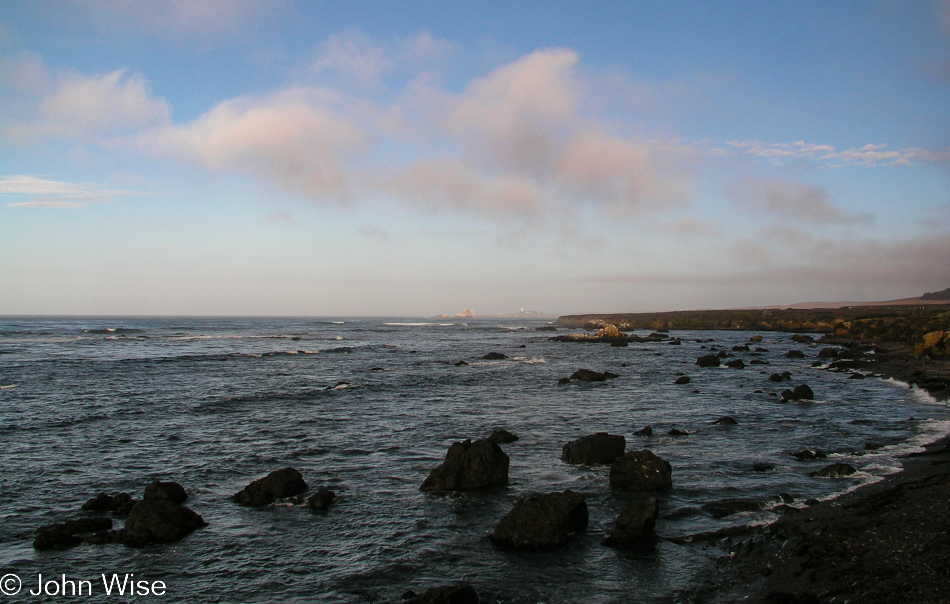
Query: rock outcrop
[
  {"x": 600, "y": 448},
  {"x": 636, "y": 521},
  {"x": 641, "y": 471},
  {"x": 542, "y": 521},
  {"x": 285, "y": 482},
  {"x": 836, "y": 470},
  {"x": 502, "y": 437},
  {"x": 469, "y": 465},
  {"x": 67, "y": 534},
  {"x": 800, "y": 393},
  {"x": 158, "y": 520}
]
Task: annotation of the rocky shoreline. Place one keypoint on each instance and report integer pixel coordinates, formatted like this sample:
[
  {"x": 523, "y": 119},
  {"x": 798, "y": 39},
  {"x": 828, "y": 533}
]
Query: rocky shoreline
[{"x": 888, "y": 542}]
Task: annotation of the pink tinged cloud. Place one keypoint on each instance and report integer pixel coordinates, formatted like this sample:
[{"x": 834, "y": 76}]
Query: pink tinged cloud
[
  {"x": 516, "y": 115},
  {"x": 452, "y": 184},
  {"x": 287, "y": 139}
]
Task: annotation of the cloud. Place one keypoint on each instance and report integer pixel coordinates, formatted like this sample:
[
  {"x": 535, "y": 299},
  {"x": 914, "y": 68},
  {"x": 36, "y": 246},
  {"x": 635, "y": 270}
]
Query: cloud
[
  {"x": 293, "y": 139},
  {"x": 71, "y": 105},
  {"x": 358, "y": 58},
  {"x": 867, "y": 155},
  {"x": 172, "y": 18},
  {"x": 791, "y": 199},
  {"x": 56, "y": 194},
  {"x": 452, "y": 184}
]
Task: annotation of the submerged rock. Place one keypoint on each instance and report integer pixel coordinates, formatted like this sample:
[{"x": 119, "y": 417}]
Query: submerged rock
[
  {"x": 446, "y": 594},
  {"x": 502, "y": 437},
  {"x": 645, "y": 431},
  {"x": 322, "y": 499},
  {"x": 728, "y": 507},
  {"x": 494, "y": 356},
  {"x": 736, "y": 364},
  {"x": 67, "y": 534},
  {"x": 809, "y": 455},
  {"x": 836, "y": 470},
  {"x": 119, "y": 504},
  {"x": 785, "y": 376},
  {"x": 795, "y": 354},
  {"x": 285, "y": 482},
  {"x": 800, "y": 393},
  {"x": 542, "y": 521},
  {"x": 469, "y": 465},
  {"x": 641, "y": 471},
  {"x": 726, "y": 421},
  {"x": 586, "y": 375},
  {"x": 683, "y": 379},
  {"x": 600, "y": 448},
  {"x": 636, "y": 521}
]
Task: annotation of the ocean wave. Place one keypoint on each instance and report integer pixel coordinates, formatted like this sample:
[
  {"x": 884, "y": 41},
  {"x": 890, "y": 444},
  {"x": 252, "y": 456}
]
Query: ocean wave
[{"x": 113, "y": 331}]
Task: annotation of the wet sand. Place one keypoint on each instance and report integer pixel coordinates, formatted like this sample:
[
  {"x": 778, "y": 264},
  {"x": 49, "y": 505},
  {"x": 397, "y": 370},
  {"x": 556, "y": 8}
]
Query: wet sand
[{"x": 887, "y": 542}]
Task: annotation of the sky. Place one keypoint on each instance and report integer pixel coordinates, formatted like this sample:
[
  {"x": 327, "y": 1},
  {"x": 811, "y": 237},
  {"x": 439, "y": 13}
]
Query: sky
[{"x": 376, "y": 158}]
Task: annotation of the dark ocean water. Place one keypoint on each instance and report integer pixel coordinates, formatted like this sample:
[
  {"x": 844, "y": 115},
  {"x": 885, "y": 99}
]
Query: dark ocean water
[{"x": 92, "y": 405}]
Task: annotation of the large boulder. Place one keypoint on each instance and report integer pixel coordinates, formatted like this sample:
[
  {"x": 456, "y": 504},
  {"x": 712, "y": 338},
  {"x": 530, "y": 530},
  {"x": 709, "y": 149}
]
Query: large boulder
[
  {"x": 636, "y": 521},
  {"x": 709, "y": 360},
  {"x": 67, "y": 534},
  {"x": 322, "y": 499},
  {"x": 542, "y": 521},
  {"x": 600, "y": 448},
  {"x": 469, "y": 465},
  {"x": 158, "y": 521},
  {"x": 285, "y": 482},
  {"x": 641, "y": 471}
]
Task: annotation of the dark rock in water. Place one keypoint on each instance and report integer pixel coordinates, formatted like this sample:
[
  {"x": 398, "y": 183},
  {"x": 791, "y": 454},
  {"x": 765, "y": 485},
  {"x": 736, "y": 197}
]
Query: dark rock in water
[
  {"x": 600, "y": 448},
  {"x": 795, "y": 354},
  {"x": 728, "y": 507},
  {"x": 828, "y": 353},
  {"x": 158, "y": 521},
  {"x": 786, "y": 498},
  {"x": 619, "y": 343},
  {"x": 66, "y": 534},
  {"x": 322, "y": 499},
  {"x": 785, "y": 376},
  {"x": 726, "y": 421},
  {"x": 836, "y": 470},
  {"x": 682, "y": 380},
  {"x": 103, "y": 537},
  {"x": 502, "y": 437},
  {"x": 285, "y": 482},
  {"x": 676, "y": 432},
  {"x": 641, "y": 471},
  {"x": 546, "y": 328},
  {"x": 586, "y": 375},
  {"x": 758, "y": 362},
  {"x": 856, "y": 376},
  {"x": 647, "y": 431},
  {"x": 800, "y": 393},
  {"x": 340, "y": 350},
  {"x": 170, "y": 491},
  {"x": 802, "y": 339},
  {"x": 708, "y": 360},
  {"x": 636, "y": 521},
  {"x": 446, "y": 594},
  {"x": 809, "y": 455},
  {"x": 736, "y": 364},
  {"x": 119, "y": 504},
  {"x": 755, "y": 339},
  {"x": 743, "y": 348},
  {"x": 461, "y": 364},
  {"x": 494, "y": 356},
  {"x": 563, "y": 381},
  {"x": 762, "y": 467},
  {"x": 469, "y": 465},
  {"x": 542, "y": 521}
]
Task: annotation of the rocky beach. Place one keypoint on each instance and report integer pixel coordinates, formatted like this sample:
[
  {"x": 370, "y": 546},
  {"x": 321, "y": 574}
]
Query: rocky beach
[{"x": 887, "y": 542}]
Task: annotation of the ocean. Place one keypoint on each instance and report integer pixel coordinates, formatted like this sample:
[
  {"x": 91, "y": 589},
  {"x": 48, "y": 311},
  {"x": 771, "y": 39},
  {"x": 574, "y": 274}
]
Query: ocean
[{"x": 367, "y": 407}]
